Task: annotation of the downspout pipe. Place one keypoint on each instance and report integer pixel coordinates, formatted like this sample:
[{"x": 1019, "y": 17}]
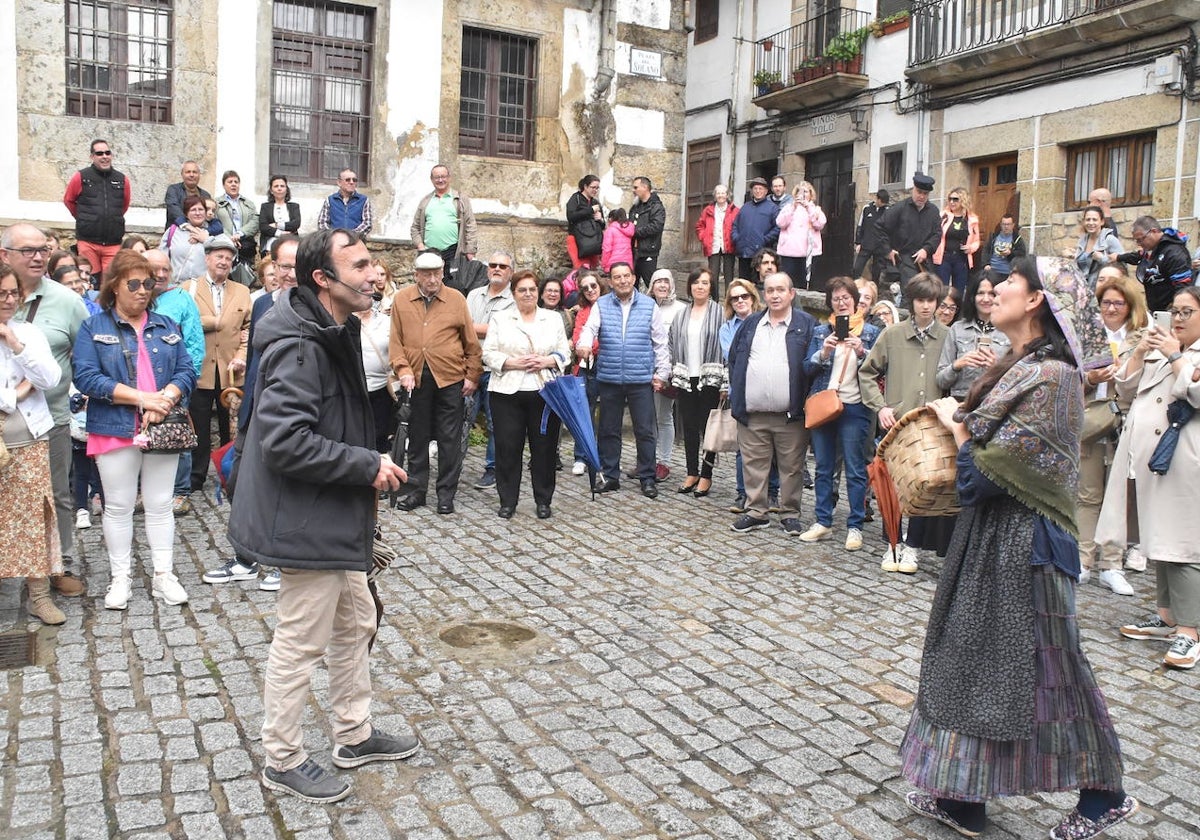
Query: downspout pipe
[{"x": 608, "y": 39}]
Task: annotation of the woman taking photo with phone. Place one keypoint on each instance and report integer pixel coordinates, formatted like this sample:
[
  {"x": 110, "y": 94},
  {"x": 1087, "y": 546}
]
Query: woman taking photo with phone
[
  {"x": 834, "y": 355},
  {"x": 973, "y": 344}
]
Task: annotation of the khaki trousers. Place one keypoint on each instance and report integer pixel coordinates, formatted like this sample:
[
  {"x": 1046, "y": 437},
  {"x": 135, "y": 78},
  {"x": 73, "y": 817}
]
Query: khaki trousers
[
  {"x": 767, "y": 435},
  {"x": 1092, "y": 477},
  {"x": 319, "y": 614}
]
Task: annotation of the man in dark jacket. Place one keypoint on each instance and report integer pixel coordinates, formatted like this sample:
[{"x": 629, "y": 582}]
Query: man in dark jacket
[
  {"x": 188, "y": 186},
  {"x": 768, "y": 407},
  {"x": 866, "y": 239},
  {"x": 649, "y": 218},
  {"x": 1162, "y": 260},
  {"x": 910, "y": 231},
  {"x": 754, "y": 228},
  {"x": 98, "y": 197},
  {"x": 306, "y": 503}
]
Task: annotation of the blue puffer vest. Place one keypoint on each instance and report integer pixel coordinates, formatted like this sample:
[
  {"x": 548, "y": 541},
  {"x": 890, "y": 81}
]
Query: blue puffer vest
[{"x": 625, "y": 359}]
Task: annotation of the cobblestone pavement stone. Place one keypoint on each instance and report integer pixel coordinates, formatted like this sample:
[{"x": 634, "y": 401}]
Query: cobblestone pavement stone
[{"x": 683, "y": 682}]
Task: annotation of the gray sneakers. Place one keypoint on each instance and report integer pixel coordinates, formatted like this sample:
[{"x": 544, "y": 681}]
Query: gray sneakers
[
  {"x": 379, "y": 747},
  {"x": 310, "y": 782}
]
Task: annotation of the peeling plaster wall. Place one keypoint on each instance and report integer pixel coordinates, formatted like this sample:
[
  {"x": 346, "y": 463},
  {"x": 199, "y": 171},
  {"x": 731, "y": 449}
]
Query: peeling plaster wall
[
  {"x": 411, "y": 145},
  {"x": 222, "y": 94},
  {"x": 649, "y": 112}
]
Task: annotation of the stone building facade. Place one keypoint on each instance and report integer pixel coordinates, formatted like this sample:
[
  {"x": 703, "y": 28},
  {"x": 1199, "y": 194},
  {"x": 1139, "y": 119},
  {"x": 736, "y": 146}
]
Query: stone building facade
[
  {"x": 1027, "y": 106},
  {"x": 562, "y": 88}
]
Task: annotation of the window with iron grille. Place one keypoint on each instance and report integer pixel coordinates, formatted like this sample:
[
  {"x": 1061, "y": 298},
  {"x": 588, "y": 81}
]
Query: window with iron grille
[
  {"x": 498, "y": 94},
  {"x": 707, "y": 15},
  {"x": 120, "y": 56},
  {"x": 321, "y": 79},
  {"x": 1122, "y": 165}
]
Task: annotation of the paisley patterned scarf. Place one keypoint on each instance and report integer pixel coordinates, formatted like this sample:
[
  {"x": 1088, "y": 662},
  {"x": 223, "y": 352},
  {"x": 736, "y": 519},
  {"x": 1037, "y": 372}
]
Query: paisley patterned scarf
[{"x": 1026, "y": 435}]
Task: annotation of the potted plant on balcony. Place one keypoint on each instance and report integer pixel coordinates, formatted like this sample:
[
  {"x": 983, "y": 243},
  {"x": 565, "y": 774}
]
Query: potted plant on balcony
[
  {"x": 808, "y": 70},
  {"x": 846, "y": 50},
  {"x": 889, "y": 24},
  {"x": 765, "y": 80}
]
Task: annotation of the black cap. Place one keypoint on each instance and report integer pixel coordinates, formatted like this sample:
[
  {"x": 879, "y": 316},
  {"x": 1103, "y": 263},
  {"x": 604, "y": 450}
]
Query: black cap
[{"x": 922, "y": 181}]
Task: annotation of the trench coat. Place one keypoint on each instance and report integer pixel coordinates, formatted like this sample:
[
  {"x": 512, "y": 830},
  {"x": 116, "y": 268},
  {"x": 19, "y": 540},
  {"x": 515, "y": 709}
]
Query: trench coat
[{"x": 1165, "y": 503}]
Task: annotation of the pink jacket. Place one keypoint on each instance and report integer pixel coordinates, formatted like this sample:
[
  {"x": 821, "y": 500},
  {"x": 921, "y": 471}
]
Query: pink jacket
[
  {"x": 618, "y": 245},
  {"x": 800, "y": 230},
  {"x": 971, "y": 245}
]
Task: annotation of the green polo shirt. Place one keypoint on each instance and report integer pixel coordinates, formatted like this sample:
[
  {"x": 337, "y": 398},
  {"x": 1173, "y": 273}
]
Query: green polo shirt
[
  {"x": 58, "y": 316},
  {"x": 441, "y": 222}
]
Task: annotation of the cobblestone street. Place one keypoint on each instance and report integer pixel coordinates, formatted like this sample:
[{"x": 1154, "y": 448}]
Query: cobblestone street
[{"x": 681, "y": 681}]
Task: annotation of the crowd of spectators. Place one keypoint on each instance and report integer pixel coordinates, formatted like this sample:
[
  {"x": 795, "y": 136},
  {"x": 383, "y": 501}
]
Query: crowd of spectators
[{"x": 142, "y": 333}]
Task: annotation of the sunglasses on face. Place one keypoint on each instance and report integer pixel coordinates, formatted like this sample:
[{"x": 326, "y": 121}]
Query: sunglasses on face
[
  {"x": 148, "y": 284},
  {"x": 736, "y": 298}
]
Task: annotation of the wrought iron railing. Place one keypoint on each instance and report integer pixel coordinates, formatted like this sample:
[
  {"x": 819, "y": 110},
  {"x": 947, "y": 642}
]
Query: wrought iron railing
[
  {"x": 944, "y": 28},
  {"x": 831, "y": 41}
]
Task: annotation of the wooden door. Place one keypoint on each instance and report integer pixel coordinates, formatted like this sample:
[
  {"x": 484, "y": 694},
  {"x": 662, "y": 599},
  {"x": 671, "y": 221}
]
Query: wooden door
[
  {"x": 703, "y": 173},
  {"x": 831, "y": 174},
  {"x": 994, "y": 192}
]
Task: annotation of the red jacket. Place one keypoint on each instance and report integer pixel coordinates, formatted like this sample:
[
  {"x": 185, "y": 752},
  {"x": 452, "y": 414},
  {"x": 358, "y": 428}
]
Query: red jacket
[{"x": 704, "y": 228}]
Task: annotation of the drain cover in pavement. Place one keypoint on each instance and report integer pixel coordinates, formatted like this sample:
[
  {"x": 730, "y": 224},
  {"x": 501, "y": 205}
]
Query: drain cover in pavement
[{"x": 482, "y": 634}]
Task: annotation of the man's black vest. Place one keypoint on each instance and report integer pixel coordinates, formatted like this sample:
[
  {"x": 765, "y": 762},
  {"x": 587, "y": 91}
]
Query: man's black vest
[{"x": 99, "y": 210}]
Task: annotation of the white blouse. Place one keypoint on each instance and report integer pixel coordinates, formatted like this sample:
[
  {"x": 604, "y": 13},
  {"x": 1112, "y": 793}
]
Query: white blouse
[
  {"x": 509, "y": 335},
  {"x": 35, "y": 363}
]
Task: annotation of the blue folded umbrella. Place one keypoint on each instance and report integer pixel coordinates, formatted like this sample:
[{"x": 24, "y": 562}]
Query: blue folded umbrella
[
  {"x": 1178, "y": 414},
  {"x": 566, "y": 396}
]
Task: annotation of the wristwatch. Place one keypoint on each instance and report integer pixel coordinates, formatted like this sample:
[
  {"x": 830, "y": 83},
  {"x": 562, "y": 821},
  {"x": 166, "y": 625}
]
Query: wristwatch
[{"x": 1174, "y": 357}]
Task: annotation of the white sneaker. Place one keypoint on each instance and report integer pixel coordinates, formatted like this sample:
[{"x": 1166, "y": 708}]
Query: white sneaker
[
  {"x": 1115, "y": 580},
  {"x": 816, "y": 532},
  {"x": 853, "y": 539},
  {"x": 83, "y": 519},
  {"x": 166, "y": 586},
  {"x": 908, "y": 561},
  {"x": 891, "y": 558},
  {"x": 270, "y": 581},
  {"x": 1134, "y": 559},
  {"x": 1084, "y": 576},
  {"x": 118, "y": 593},
  {"x": 579, "y": 469}
]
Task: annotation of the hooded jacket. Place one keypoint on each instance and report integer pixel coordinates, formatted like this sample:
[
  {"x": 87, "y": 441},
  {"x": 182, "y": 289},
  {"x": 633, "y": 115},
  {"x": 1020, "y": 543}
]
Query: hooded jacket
[
  {"x": 1163, "y": 270},
  {"x": 305, "y": 497}
]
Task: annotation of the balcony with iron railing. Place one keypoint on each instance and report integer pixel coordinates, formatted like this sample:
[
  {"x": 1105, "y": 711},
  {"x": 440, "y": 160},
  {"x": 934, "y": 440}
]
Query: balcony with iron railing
[
  {"x": 813, "y": 63},
  {"x": 951, "y": 38}
]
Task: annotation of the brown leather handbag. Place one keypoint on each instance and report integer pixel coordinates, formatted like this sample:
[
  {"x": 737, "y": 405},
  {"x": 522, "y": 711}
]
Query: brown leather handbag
[{"x": 825, "y": 406}]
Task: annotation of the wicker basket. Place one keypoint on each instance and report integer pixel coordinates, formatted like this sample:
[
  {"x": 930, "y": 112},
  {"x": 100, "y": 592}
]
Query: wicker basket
[{"x": 920, "y": 455}]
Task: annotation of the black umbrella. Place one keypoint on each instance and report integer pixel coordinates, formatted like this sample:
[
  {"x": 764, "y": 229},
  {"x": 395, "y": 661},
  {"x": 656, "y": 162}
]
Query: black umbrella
[
  {"x": 400, "y": 441},
  {"x": 1178, "y": 414}
]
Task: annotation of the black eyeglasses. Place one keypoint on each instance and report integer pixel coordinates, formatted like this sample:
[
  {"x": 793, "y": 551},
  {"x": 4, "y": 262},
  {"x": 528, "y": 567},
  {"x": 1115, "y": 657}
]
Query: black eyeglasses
[
  {"x": 28, "y": 253},
  {"x": 105, "y": 153},
  {"x": 148, "y": 284},
  {"x": 499, "y": 265},
  {"x": 733, "y": 298}
]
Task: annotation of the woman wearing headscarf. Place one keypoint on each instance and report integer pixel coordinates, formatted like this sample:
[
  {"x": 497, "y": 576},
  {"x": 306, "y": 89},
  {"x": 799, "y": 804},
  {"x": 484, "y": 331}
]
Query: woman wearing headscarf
[
  {"x": 1008, "y": 704},
  {"x": 662, "y": 288}
]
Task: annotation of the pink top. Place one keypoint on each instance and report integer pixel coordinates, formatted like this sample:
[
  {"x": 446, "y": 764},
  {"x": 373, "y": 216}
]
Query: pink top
[{"x": 102, "y": 444}]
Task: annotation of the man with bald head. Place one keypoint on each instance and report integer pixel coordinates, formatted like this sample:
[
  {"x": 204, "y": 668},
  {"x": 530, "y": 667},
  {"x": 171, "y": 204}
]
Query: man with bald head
[
  {"x": 1102, "y": 198},
  {"x": 57, "y": 312},
  {"x": 188, "y": 186}
]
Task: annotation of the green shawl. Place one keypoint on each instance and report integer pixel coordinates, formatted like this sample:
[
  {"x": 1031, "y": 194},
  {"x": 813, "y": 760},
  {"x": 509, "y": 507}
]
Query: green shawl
[{"x": 1026, "y": 435}]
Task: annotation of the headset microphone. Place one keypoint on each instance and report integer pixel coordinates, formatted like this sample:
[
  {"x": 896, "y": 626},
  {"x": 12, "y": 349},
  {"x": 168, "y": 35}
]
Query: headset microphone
[{"x": 332, "y": 275}]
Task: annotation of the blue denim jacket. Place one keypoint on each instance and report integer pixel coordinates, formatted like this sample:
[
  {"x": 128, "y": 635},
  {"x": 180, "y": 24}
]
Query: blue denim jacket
[{"x": 106, "y": 354}]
